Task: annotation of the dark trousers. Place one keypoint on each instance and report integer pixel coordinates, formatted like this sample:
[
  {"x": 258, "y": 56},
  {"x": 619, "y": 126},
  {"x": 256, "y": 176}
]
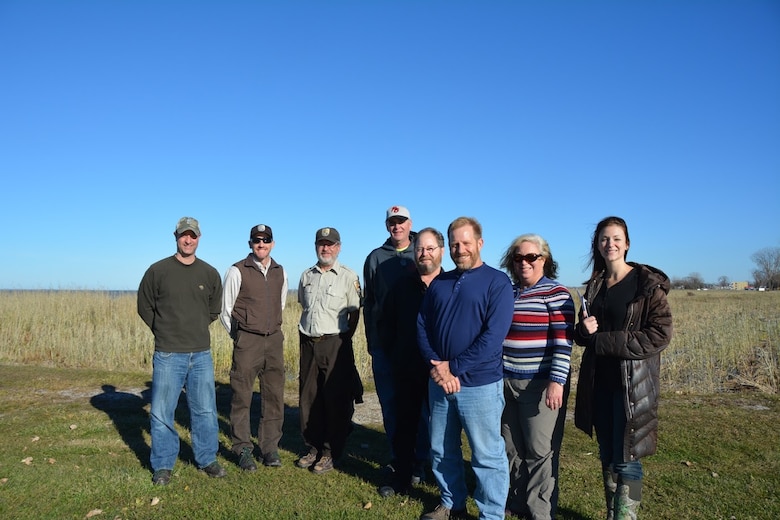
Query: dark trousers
[
  {"x": 257, "y": 356},
  {"x": 411, "y": 387},
  {"x": 326, "y": 392}
]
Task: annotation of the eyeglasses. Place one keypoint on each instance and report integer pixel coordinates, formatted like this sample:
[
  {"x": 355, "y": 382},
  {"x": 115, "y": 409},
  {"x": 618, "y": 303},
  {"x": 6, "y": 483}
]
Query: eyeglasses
[
  {"x": 530, "y": 258},
  {"x": 264, "y": 240},
  {"x": 428, "y": 250}
]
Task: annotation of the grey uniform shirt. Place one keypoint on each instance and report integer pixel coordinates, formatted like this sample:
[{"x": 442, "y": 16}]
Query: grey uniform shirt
[{"x": 327, "y": 297}]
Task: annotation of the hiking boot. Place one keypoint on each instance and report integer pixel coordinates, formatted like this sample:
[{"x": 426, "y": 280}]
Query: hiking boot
[
  {"x": 443, "y": 513},
  {"x": 323, "y": 465},
  {"x": 214, "y": 470},
  {"x": 272, "y": 460},
  {"x": 161, "y": 477},
  {"x": 307, "y": 460},
  {"x": 246, "y": 460}
]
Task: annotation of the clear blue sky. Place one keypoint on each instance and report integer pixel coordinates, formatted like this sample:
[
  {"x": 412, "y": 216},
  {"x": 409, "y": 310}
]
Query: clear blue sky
[{"x": 117, "y": 118}]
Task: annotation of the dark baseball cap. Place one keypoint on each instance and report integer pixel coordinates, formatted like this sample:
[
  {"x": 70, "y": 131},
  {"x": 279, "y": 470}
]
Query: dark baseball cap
[
  {"x": 327, "y": 233},
  {"x": 261, "y": 229}
]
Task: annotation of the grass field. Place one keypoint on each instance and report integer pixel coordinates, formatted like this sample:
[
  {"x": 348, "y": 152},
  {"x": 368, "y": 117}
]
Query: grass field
[
  {"x": 76, "y": 441},
  {"x": 75, "y": 370}
]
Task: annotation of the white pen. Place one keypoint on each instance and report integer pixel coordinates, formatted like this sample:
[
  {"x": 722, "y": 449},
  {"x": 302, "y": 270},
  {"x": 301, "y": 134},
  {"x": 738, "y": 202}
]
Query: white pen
[{"x": 584, "y": 303}]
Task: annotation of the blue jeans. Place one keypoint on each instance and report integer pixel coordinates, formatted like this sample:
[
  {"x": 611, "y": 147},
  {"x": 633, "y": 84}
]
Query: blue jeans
[
  {"x": 382, "y": 368},
  {"x": 477, "y": 410},
  {"x": 193, "y": 371}
]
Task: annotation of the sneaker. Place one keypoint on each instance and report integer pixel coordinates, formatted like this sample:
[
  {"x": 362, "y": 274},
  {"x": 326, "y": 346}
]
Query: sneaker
[
  {"x": 387, "y": 470},
  {"x": 418, "y": 474},
  {"x": 161, "y": 477},
  {"x": 214, "y": 470},
  {"x": 272, "y": 460},
  {"x": 307, "y": 460},
  {"x": 443, "y": 513},
  {"x": 389, "y": 490},
  {"x": 323, "y": 465},
  {"x": 246, "y": 460},
  {"x": 386, "y": 491}
]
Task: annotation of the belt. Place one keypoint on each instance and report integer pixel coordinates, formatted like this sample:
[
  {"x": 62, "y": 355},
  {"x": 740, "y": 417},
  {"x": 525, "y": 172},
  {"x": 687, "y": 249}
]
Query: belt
[
  {"x": 315, "y": 339},
  {"x": 260, "y": 333}
]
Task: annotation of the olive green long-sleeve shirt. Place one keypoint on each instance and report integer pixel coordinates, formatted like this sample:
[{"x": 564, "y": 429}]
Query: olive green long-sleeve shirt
[{"x": 178, "y": 302}]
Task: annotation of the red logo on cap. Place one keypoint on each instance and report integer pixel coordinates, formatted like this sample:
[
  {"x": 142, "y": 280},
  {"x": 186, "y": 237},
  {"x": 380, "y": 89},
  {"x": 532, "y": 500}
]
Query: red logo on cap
[{"x": 394, "y": 209}]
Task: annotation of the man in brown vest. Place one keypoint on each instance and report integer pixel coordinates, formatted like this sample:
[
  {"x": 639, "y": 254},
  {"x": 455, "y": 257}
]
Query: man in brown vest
[{"x": 255, "y": 292}]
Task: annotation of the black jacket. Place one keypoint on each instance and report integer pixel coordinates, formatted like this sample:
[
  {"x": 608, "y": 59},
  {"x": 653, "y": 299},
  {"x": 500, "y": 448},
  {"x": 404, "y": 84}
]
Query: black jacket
[{"x": 646, "y": 332}]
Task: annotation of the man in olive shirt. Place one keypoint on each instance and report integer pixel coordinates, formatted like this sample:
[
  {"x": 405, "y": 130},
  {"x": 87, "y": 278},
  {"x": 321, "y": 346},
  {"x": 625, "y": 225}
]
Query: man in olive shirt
[
  {"x": 330, "y": 296},
  {"x": 178, "y": 298}
]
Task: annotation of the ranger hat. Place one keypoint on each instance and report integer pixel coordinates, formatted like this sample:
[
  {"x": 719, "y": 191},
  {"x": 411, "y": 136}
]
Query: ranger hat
[
  {"x": 327, "y": 233},
  {"x": 397, "y": 211},
  {"x": 187, "y": 224},
  {"x": 261, "y": 229}
]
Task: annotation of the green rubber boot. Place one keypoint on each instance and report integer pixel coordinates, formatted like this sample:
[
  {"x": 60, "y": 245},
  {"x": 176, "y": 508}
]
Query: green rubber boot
[
  {"x": 625, "y": 507},
  {"x": 610, "y": 487}
]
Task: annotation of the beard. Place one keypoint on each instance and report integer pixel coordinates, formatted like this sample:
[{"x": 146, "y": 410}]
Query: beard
[
  {"x": 428, "y": 268},
  {"x": 326, "y": 261}
]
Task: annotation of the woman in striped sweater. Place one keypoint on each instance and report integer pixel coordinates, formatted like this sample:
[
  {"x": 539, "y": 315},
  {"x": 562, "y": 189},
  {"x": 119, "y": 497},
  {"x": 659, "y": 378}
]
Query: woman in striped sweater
[{"x": 536, "y": 358}]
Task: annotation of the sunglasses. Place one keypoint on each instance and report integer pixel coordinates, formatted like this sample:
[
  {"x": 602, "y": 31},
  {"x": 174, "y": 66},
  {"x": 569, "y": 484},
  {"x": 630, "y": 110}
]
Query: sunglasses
[
  {"x": 530, "y": 258},
  {"x": 264, "y": 240}
]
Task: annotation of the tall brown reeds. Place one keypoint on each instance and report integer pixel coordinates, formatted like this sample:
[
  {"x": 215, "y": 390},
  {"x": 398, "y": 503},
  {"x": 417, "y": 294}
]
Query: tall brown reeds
[{"x": 723, "y": 340}]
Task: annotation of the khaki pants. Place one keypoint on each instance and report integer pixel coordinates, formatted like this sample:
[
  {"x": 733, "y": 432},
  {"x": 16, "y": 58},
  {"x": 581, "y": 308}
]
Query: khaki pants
[{"x": 529, "y": 430}]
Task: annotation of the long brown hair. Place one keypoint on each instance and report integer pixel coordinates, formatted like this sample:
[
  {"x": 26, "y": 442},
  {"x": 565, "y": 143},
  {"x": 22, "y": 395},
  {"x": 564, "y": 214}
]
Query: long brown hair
[{"x": 596, "y": 260}]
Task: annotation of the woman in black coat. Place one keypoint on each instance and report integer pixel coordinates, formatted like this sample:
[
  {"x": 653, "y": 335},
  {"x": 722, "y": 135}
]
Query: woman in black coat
[{"x": 624, "y": 324}]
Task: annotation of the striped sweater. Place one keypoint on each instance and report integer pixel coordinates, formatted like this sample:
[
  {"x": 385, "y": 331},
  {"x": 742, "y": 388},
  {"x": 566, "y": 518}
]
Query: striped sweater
[{"x": 538, "y": 344}]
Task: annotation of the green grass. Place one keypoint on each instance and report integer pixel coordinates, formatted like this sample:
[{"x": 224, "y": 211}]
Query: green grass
[
  {"x": 719, "y": 446},
  {"x": 86, "y": 432}
]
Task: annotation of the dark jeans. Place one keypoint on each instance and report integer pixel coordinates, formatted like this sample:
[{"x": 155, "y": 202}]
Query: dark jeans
[
  {"x": 411, "y": 400},
  {"x": 326, "y": 384},
  {"x": 609, "y": 421}
]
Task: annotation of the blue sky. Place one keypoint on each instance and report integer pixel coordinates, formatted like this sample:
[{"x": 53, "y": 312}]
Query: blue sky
[{"x": 117, "y": 118}]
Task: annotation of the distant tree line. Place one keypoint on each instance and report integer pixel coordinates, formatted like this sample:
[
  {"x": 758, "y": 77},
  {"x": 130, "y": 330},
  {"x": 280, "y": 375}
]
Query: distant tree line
[{"x": 766, "y": 274}]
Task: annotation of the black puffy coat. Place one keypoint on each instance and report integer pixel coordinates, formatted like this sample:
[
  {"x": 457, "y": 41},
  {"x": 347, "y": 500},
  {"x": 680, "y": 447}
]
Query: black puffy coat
[{"x": 646, "y": 332}]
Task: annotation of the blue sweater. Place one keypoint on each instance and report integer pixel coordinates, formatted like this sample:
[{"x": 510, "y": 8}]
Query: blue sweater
[{"x": 464, "y": 319}]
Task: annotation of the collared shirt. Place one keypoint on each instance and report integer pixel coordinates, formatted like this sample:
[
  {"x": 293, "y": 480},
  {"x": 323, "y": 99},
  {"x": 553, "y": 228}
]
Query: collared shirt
[{"x": 327, "y": 297}]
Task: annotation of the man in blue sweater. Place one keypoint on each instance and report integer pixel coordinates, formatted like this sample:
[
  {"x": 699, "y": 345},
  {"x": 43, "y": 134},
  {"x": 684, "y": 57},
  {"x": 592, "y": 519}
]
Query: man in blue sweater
[{"x": 464, "y": 318}]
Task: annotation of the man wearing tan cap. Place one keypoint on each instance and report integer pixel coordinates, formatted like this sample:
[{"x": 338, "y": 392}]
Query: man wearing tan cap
[
  {"x": 384, "y": 266},
  {"x": 178, "y": 298},
  {"x": 252, "y": 304},
  {"x": 330, "y": 296}
]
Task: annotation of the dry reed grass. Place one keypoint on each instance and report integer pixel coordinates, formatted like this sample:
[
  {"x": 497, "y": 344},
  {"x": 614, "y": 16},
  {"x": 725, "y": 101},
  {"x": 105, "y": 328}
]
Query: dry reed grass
[{"x": 724, "y": 340}]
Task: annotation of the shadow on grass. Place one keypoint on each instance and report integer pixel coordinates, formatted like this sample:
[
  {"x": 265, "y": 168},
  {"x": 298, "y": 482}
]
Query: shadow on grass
[
  {"x": 366, "y": 451},
  {"x": 131, "y": 420},
  {"x": 130, "y": 415}
]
